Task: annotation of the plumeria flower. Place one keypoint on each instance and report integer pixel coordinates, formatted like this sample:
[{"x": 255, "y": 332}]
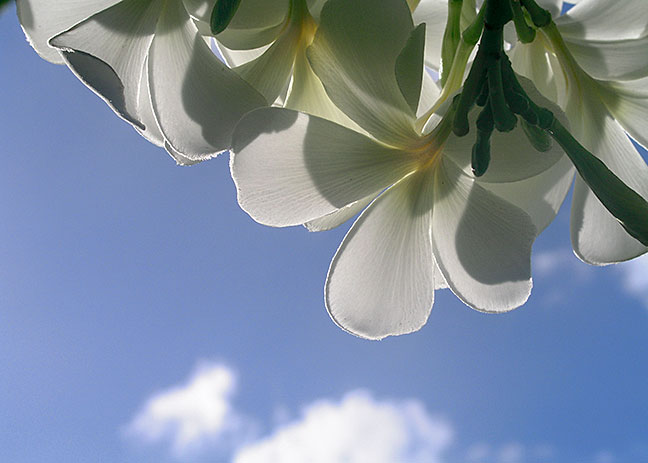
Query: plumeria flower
[
  {"x": 594, "y": 63},
  {"x": 430, "y": 223},
  {"x": 147, "y": 60}
]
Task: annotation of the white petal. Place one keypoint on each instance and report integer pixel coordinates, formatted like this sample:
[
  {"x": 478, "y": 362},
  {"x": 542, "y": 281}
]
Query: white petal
[
  {"x": 337, "y": 218},
  {"x": 513, "y": 158},
  {"x": 597, "y": 237},
  {"x": 43, "y": 19},
  {"x": 381, "y": 280},
  {"x": 151, "y": 129},
  {"x": 532, "y": 61},
  {"x": 107, "y": 52},
  {"x": 357, "y": 64},
  {"x": 628, "y": 103},
  {"x": 554, "y": 6},
  {"x": 256, "y": 23},
  {"x": 200, "y": 9},
  {"x": 605, "y": 20},
  {"x": 481, "y": 242},
  {"x": 235, "y": 58},
  {"x": 434, "y": 13},
  {"x": 539, "y": 196},
  {"x": 430, "y": 93},
  {"x": 270, "y": 72},
  {"x": 307, "y": 94},
  {"x": 291, "y": 168},
  {"x": 612, "y": 60},
  {"x": 196, "y": 99}
]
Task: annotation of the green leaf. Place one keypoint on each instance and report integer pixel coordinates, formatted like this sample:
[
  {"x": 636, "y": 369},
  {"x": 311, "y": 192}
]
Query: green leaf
[
  {"x": 222, "y": 14},
  {"x": 628, "y": 207},
  {"x": 409, "y": 67}
]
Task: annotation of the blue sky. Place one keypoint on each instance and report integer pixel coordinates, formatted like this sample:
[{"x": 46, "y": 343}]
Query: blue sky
[{"x": 138, "y": 303}]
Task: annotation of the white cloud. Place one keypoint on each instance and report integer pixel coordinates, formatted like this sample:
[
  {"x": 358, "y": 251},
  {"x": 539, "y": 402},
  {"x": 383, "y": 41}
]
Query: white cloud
[
  {"x": 511, "y": 453},
  {"x": 556, "y": 262},
  {"x": 190, "y": 415},
  {"x": 635, "y": 278},
  {"x": 605, "y": 457},
  {"x": 357, "y": 429}
]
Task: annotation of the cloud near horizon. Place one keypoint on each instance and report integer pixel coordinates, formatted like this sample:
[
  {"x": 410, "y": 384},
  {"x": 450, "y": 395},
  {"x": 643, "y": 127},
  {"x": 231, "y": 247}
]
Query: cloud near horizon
[
  {"x": 191, "y": 415},
  {"x": 356, "y": 429},
  {"x": 635, "y": 278}
]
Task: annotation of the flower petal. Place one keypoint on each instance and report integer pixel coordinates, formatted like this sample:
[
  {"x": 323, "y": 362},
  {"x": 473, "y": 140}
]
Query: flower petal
[
  {"x": 605, "y": 20},
  {"x": 381, "y": 280},
  {"x": 357, "y": 64},
  {"x": 532, "y": 61},
  {"x": 481, "y": 242},
  {"x": 513, "y": 158},
  {"x": 434, "y": 13},
  {"x": 290, "y": 168},
  {"x": 612, "y": 60},
  {"x": 108, "y": 50},
  {"x": 539, "y": 196},
  {"x": 597, "y": 237},
  {"x": 307, "y": 94},
  {"x": 43, "y": 19},
  {"x": 235, "y": 58},
  {"x": 554, "y": 7},
  {"x": 628, "y": 103},
  {"x": 256, "y": 23},
  {"x": 337, "y": 218},
  {"x": 196, "y": 99},
  {"x": 270, "y": 72}
]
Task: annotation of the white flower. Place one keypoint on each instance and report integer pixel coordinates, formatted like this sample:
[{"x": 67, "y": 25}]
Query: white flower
[
  {"x": 431, "y": 224},
  {"x": 147, "y": 60},
  {"x": 594, "y": 63}
]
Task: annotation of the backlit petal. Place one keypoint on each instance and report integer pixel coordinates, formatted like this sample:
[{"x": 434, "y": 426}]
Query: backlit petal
[
  {"x": 43, "y": 19},
  {"x": 357, "y": 64},
  {"x": 197, "y": 100},
  {"x": 605, "y": 20},
  {"x": 381, "y": 280},
  {"x": 481, "y": 242},
  {"x": 597, "y": 237},
  {"x": 291, "y": 168}
]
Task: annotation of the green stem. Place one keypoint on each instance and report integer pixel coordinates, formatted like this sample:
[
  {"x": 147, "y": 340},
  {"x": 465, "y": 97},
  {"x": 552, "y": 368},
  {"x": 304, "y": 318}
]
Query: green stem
[
  {"x": 469, "y": 39},
  {"x": 628, "y": 207},
  {"x": 451, "y": 38},
  {"x": 525, "y": 33}
]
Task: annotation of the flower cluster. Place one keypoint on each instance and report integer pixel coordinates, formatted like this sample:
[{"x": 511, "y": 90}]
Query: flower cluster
[{"x": 334, "y": 108}]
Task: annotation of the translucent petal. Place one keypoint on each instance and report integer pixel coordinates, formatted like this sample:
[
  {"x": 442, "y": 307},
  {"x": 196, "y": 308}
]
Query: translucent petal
[
  {"x": 554, "y": 6},
  {"x": 270, "y": 72},
  {"x": 337, "y": 218},
  {"x": 291, "y": 168},
  {"x": 481, "y": 242},
  {"x": 434, "y": 13},
  {"x": 256, "y": 23},
  {"x": 605, "y": 20},
  {"x": 597, "y": 237},
  {"x": 43, "y": 19},
  {"x": 612, "y": 60},
  {"x": 307, "y": 94},
  {"x": 539, "y": 196},
  {"x": 196, "y": 99},
  {"x": 628, "y": 103},
  {"x": 357, "y": 64},
  {"x": 381, "y": 280},
  {"x": 107, "y": 52}
]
